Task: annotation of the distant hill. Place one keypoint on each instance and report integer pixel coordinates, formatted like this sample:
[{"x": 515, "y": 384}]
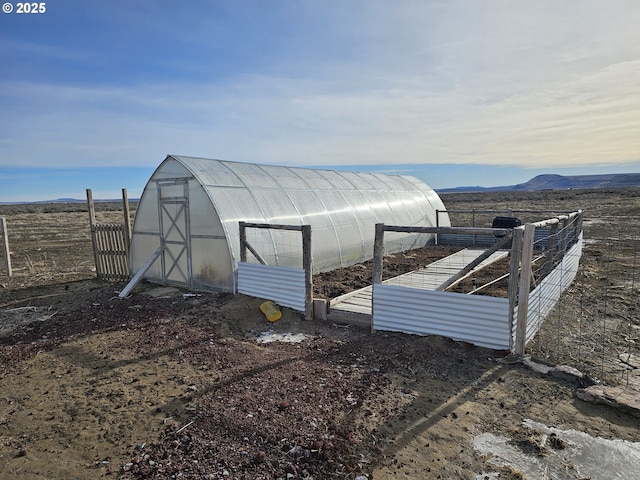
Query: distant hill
[{"x": 559, "y": 182}]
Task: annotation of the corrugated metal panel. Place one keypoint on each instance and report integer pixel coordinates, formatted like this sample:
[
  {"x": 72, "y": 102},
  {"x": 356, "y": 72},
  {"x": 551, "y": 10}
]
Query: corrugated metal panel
[
  {"x": 481, "y": 320},
  {"x": 544, "y": 297},
  {"x": 283, "y": 285}
]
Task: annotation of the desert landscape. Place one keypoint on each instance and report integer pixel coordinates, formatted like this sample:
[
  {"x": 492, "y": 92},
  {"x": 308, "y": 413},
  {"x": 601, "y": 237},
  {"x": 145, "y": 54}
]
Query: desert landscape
[{"x": 171, "y": 383}]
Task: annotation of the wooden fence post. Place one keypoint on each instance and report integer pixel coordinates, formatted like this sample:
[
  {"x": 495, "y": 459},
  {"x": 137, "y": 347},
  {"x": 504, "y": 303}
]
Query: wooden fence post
[
  {"x": 523, "y": 293},
  {"x": 552, "y": 245},
  {"x": 562, "y": 247},
  {"x": 378, "y": 253},
  {"x": 127, "y": 222},
  {"x": 307, "y": 263},
  {"x": 514, "y": 271},
  {"x": 5, "y": 243},
  {"x": 92, "y": 223},
  {"x": 243, "y": 241}
]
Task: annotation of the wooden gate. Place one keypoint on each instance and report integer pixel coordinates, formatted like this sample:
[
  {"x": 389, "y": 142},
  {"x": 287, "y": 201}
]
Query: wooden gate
[{"x": 111, "y": 243}]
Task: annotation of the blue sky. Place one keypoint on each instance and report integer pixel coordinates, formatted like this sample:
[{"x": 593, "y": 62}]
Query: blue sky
[{"x": 95, "y": 94}]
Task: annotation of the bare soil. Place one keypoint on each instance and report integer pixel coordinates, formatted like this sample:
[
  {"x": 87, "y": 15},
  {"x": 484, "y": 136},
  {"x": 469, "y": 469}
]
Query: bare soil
[{"x": 179, "y": 385}]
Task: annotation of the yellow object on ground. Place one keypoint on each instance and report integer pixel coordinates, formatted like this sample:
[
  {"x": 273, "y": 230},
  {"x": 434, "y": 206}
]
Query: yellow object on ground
[{"x": 271, "y": 311}]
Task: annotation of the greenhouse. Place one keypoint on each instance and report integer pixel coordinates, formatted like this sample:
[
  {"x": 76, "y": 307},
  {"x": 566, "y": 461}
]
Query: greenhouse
[{"x": 190, "y": 212}]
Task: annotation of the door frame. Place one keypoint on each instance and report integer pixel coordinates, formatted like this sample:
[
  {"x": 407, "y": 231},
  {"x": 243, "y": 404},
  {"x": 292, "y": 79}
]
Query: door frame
[{"x": 170, "y": 260}]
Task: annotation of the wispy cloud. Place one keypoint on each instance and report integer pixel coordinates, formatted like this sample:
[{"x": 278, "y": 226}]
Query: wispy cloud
[{"x": 529, "y": 84}]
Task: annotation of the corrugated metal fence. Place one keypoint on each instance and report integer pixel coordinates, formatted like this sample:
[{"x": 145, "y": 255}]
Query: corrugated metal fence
[
  {"x": 283, "y": 285},
  {"x": 499, "y": 323},
  {"x": 493, "y": 322},
  {"x": 287, "y": 286},
  {"x": 481, "y": 320}
]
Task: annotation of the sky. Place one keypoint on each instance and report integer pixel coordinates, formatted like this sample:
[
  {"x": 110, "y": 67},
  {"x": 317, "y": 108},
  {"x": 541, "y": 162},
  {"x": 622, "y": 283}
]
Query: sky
[{"x": 456, "y": 92}]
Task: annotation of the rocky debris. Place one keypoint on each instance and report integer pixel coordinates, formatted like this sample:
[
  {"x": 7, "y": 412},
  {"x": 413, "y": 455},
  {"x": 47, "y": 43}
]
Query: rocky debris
[
  {"x": 283, "y": 417},
  {"x": 627, "y": 400},
  {"x": 563, "y": 372}
]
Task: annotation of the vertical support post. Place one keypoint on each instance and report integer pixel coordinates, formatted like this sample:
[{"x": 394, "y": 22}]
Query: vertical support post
[
  {"x": 378, "y": 253},
  {"x": 92, "y": 223},
  {"x": 562, "y": 247},
  {"x": 577, "y": 227},
  {"x": 127, "y": 222},
  {"x": 473, "y": 224},
  {"x": 552, "y": 245},
  {"x": 524, "y": 285},
  {"x": 514, "y": 274},
  {"x": 5, "y": 243},
  {"x": 378, "y": 259},
  {"x": 243, "y": 242},
  {"x": 437, "y": 225},
  {"x": 308, "y": 272}
]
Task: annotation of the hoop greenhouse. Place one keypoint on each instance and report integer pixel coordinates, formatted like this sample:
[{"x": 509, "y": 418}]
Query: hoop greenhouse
[{"x": 192, "y": 208}]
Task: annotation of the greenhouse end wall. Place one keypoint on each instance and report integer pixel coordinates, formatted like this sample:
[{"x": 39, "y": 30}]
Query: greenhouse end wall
[{"x": 193, "y": 206}]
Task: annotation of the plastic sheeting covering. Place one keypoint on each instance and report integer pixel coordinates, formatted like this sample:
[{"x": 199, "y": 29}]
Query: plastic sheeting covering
[{"x": 341, "y": 207}]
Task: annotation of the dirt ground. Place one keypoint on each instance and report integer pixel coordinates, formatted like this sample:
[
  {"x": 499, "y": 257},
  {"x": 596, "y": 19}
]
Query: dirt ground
[{"x": 188, "y": 385}]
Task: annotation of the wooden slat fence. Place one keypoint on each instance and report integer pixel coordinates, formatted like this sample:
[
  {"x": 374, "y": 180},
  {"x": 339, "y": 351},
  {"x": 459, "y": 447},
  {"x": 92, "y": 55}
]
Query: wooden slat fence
[
  {"x": 111, "y": 252},
  {"x": 111, "y": 243}
]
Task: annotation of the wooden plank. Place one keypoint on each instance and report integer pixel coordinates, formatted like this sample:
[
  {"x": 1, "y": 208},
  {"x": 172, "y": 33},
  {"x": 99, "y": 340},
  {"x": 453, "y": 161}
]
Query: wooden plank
[
  {"x": 349, "y": 318},
  {"x": 138, "y": 276},
  {"x": 449, "y": 230},
  {"x": 476, "y": 262},
  {"x": 346, "y": 296},
  {"x": 107, "y": 240},
  {"x": 364, "y": 309},
  {"x": 360, "y": 301},
  {"x": 276, "y": 226}
]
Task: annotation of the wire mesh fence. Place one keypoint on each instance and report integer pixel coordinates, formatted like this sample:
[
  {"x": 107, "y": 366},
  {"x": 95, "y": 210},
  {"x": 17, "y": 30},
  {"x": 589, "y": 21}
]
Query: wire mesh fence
[{"x": 595, "y": 326}]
